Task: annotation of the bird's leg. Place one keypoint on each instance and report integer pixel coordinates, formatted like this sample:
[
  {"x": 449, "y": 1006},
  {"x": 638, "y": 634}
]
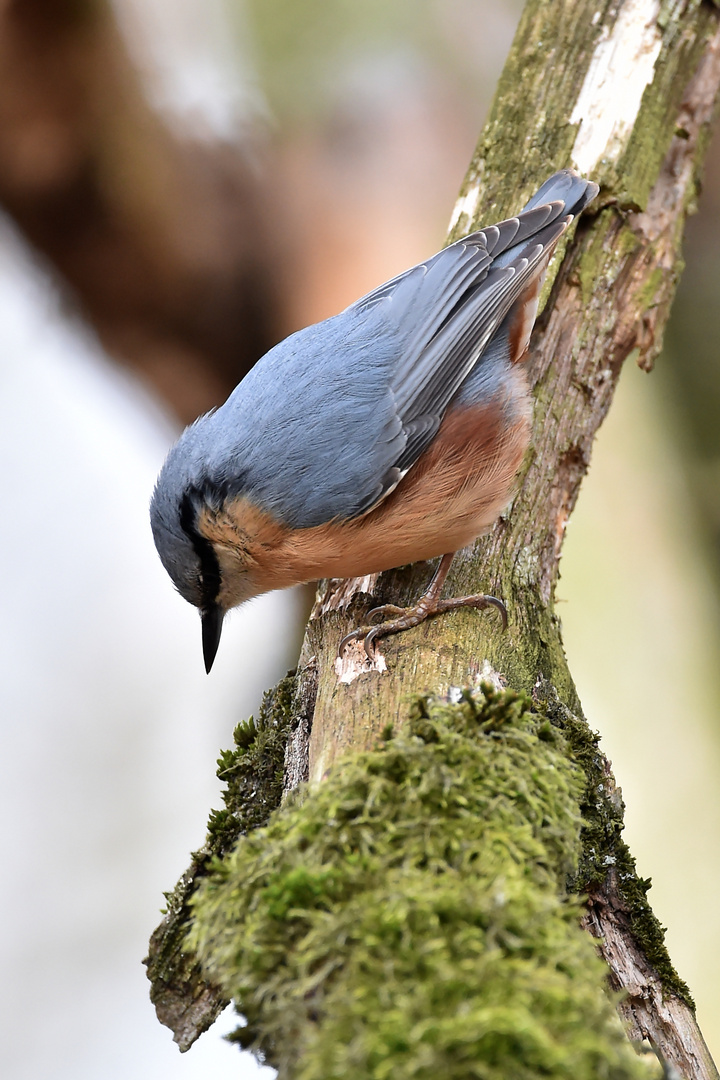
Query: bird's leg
[
  {"x": 426, "y": 607},
  {"x": 427, "y": 601}
]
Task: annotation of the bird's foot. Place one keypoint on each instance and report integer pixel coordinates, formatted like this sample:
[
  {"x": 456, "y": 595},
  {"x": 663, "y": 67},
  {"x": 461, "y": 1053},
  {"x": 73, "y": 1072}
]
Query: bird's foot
[{"x": 427, "y": 607}]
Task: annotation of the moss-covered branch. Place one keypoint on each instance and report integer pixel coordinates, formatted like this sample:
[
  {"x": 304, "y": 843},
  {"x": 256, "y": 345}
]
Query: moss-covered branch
[
  {"x": 409, "y": 917},
  {"x": 185, "y": 999},
  {"x": 640, "y": 129}
]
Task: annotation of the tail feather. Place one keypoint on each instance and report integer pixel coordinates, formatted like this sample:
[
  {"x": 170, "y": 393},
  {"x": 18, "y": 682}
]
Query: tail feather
[{"x": 565, "y": 186}]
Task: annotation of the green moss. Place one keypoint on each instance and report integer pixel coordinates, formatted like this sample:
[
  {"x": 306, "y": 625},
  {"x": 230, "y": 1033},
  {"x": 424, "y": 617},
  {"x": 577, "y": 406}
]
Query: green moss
[
  {"x": 253, "y": 769},
  {"x": 596, "y": 269},
  {"x": 253, "y": 773},
  {"x": 653, "y": 287},
  {"x": 603, "y": 848},
  {"x": 408, "y": 917},
  {"x": 685, "y": 29}
]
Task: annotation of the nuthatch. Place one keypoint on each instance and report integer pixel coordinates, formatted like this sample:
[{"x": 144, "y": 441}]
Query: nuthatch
[{"x": 388, "y": 434}]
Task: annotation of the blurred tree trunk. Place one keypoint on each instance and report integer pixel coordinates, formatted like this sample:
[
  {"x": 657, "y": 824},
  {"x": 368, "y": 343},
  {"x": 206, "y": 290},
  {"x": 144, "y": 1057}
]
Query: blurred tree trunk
[{"x": 164, "y": 242}]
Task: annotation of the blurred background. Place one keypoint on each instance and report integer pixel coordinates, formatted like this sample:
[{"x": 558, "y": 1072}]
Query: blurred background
[{"x": 182, "y": 185}]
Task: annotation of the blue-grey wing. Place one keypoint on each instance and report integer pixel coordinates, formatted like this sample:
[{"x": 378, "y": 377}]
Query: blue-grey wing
[
  {"x": 446, "y": 311},
  {"x": 334, "y": 416}
]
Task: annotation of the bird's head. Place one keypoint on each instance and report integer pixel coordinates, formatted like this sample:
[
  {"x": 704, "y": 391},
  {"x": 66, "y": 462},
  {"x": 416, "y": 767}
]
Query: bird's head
[{"x": 201, "y": 544}]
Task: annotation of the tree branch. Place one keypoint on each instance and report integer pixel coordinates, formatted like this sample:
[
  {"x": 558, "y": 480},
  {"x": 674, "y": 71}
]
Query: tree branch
[
  {"x": 611, "y": 298},
  {"x": 627, "y": 93}
]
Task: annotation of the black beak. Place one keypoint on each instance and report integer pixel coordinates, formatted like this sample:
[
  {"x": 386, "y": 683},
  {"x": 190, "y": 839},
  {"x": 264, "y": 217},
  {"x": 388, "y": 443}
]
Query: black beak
[{"x": 212, "y": 620}]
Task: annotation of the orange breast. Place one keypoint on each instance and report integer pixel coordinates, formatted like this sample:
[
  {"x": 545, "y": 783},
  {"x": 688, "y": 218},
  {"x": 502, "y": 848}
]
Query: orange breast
[{"x": 453, "y": 493}]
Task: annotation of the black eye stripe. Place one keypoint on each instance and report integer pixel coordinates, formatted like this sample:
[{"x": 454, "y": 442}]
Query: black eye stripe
[{"x": 209, "y": 565}]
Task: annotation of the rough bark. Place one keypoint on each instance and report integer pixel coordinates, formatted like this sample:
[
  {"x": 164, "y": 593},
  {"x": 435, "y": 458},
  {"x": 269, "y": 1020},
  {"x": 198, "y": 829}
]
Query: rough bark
[
  {"x": 608, "y": 297},
  {"x": 164, "y": 242}
]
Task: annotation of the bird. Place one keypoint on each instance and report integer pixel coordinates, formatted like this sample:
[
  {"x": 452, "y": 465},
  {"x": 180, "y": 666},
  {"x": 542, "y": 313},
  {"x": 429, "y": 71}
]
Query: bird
[{"x": 387, "y": 434}]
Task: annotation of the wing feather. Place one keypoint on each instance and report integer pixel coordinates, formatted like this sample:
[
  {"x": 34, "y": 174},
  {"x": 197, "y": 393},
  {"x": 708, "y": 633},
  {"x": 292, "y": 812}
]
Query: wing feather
[{"x": 445, "y": 311}]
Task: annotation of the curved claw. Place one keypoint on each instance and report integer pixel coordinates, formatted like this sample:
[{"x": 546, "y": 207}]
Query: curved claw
[
  {"x": 347, "y": 639},
  {"x": 368, "y": 638},
  {"x": 368, "y": 643},
  {"x": 383, "y": 610},
  {"x": 407, "y": 617},
  {"x": 501, "y": 608}
]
